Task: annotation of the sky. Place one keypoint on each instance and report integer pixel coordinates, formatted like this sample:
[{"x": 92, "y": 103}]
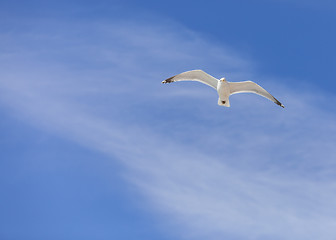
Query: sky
[{"x": 93, "y": 146}]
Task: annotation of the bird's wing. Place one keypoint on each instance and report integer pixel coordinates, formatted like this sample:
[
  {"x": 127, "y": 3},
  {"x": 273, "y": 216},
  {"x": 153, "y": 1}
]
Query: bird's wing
[
  {"x": 194, "y": 75},
  {"x": 252, "y": 87}
]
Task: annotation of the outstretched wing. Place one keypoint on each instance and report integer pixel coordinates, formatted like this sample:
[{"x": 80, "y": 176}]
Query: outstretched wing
[
  {"x": 194, "y": 75},
  {"x": 252, "y": 87}
]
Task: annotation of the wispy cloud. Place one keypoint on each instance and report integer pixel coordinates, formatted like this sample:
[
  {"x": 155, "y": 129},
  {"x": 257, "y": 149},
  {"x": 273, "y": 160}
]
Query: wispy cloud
[{"x": 249, "y": 172}]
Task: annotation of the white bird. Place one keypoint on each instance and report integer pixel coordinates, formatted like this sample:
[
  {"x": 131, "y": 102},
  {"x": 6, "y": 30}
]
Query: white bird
[{"x": 223, "y": 87}]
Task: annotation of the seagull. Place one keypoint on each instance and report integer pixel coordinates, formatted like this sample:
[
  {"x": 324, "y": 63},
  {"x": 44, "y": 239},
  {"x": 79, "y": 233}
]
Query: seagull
[{"x": 223, "y": 87}]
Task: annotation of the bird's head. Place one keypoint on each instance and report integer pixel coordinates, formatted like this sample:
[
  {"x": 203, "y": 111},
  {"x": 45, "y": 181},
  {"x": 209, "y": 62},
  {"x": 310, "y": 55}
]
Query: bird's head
[{"x": 223, "y": 79}]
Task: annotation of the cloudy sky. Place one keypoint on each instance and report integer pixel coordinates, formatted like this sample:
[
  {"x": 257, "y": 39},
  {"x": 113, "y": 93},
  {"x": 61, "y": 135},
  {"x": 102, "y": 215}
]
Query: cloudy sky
[{"x": 93, "y": 146}]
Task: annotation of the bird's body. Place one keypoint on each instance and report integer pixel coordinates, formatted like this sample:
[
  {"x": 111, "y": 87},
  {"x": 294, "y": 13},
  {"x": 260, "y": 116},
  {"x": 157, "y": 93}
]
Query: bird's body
[
  {"x": 223, "y": 90},
  {"x": 223, "y": 87}
]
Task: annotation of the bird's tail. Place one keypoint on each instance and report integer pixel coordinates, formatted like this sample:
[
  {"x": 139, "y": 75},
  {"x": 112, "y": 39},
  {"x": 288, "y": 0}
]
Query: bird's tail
[{"x": 224, "y": 103}]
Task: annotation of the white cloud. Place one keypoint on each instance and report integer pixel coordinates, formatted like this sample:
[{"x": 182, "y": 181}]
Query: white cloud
[{"x": 249, "y": 172}]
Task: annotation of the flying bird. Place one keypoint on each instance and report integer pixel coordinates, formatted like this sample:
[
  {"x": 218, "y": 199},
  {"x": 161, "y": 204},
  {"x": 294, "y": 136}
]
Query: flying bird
[{"x": 223, "y": 87}]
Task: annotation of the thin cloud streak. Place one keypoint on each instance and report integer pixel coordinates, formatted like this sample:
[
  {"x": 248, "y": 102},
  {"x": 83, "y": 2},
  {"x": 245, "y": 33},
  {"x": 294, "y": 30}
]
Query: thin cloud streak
[{"x": 248, "y": 172}]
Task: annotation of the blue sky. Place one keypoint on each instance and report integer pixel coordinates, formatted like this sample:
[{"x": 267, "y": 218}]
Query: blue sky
[{"x": 95, "y": 147}]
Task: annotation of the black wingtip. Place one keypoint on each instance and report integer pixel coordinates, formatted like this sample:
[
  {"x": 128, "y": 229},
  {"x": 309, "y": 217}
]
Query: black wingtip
[
  {"x": 279, "y": 103},
  {"x": 168, "y": 80}
]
